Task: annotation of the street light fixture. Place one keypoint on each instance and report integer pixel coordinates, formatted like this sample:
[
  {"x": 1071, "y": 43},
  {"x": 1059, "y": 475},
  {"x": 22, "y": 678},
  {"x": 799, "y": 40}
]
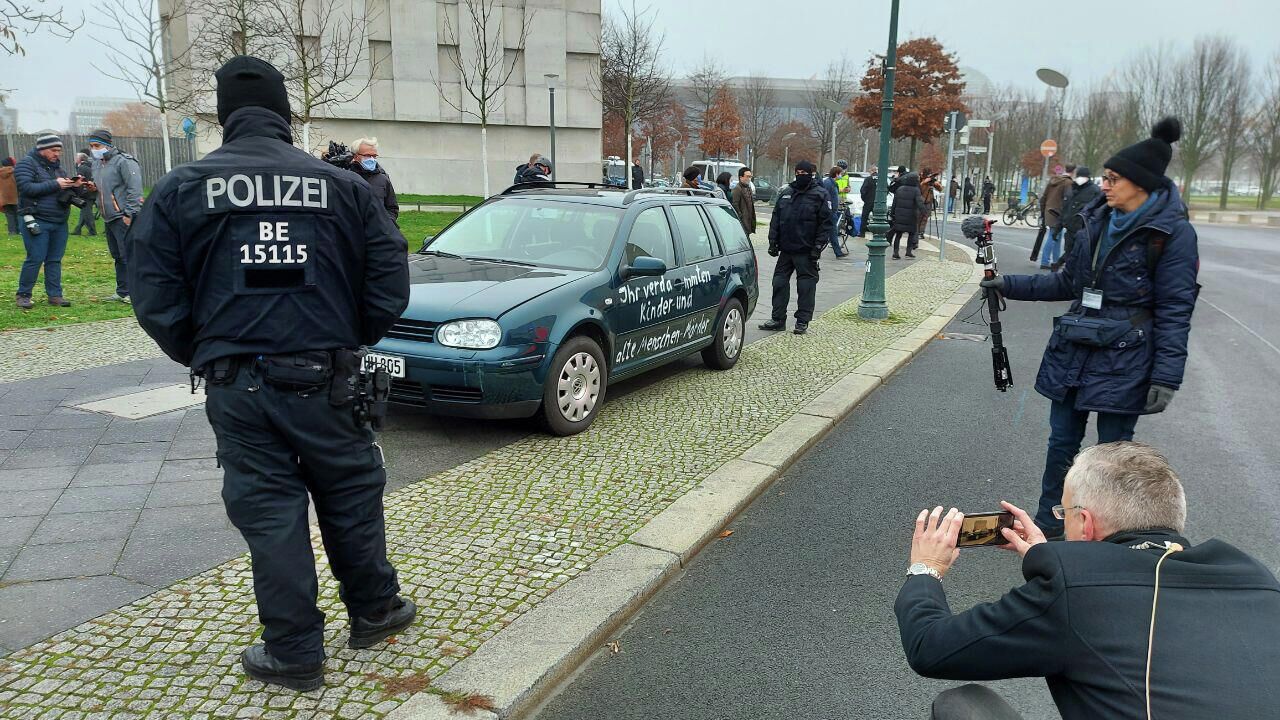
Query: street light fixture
[
  {"x": 873, "y": 305},
  {"x": 1052, "y": 79},
  {"x": 551, "y": 90},
  {"x": 786, "y": 154},
  {"x": 836, "y": 107}
]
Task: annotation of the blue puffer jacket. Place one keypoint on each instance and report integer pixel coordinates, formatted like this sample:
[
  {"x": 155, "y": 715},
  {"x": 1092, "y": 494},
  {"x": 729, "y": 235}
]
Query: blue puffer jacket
[
  {"x": 38, "y": 187},
  {"x": 1116, "y": 379}
]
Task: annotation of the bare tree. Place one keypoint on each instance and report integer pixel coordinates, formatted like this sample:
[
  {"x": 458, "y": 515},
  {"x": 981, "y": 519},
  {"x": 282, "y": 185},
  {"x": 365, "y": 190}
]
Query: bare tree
[
  {"x": 1236, "y": 110},
  {"x": 633, "y": 85},
  {"x": 704, "y": 82},
  {"x": 18, "y": 19},
  {"x": 1098, "y": 112},
  {"x": 757, "y": 106},
  {"x": 324, "y": 55},
  {"x": 1151, "y": 79},
  {"x": 141, "y": 55},
  {"x": 1200, "y": 86},
  {"x": 1264, "y": 132},
  {"x": 486, "y": 67},
  {"x": 837, "y": 85}
]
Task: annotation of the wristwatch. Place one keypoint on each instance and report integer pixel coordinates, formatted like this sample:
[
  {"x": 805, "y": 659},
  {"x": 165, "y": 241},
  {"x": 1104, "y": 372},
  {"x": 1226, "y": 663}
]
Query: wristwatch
[{"x": 924, "y": 569}]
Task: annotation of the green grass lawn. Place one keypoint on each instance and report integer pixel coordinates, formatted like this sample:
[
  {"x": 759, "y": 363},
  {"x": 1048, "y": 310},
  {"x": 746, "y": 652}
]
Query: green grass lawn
[
  {"x": 88, "y": 278},
  {"x": 467, "y": 200},
  {"x": 416, "y": 226},
  {"x": 1234, "y": 202}
]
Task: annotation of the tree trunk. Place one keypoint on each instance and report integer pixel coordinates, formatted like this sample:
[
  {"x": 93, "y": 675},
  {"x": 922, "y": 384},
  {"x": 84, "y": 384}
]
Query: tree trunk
[
  {"x": 164, "y": 136},
  {"x": 911, "y": 159},
  {"x": 484, "y": 156},
  {"x": 1188, "y": 174},
  {"x": 626, "y": 166},
  {"x": 1226, "y": 179},
  {"x": 306, "y": 136}
]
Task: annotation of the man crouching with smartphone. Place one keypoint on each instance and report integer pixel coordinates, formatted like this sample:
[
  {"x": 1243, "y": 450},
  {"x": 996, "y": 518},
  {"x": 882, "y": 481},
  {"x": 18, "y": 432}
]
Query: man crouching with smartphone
[{"x": 1132, "y": 621}]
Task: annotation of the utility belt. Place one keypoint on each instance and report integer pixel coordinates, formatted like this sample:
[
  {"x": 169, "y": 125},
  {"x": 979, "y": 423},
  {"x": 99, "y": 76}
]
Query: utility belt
[
  {"x": 1097, "y": 331},
  {"x": 339, "y": 372}
]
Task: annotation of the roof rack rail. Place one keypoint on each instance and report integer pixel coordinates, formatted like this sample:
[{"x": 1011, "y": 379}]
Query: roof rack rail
[
  {"x": 550, "y": 184},
  {"x": 691, "y": 192}
]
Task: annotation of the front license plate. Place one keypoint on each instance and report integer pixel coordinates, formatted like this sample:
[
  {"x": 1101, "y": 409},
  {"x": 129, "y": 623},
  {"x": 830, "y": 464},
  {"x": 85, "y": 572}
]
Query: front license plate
[{"x": 393, "y": 364}]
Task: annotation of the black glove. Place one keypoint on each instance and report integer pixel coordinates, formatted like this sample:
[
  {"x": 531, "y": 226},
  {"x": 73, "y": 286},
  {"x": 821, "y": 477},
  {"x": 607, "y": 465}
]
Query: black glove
[
  {"x": 996, "y": 282},
  {"x": 1158, "y": 398},
  {"x": 773, "y": 252}
]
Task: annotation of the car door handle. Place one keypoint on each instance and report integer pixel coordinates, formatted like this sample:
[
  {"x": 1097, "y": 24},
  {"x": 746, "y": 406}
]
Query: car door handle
[{"x": 724, "y": 270}]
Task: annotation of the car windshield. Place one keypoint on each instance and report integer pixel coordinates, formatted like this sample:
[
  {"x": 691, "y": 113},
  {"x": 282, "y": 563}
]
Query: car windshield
[{"x": 575, "y": 236}]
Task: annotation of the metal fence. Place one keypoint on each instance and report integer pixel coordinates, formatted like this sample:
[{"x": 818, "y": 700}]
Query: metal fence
[{"x": 147, "y": 150}]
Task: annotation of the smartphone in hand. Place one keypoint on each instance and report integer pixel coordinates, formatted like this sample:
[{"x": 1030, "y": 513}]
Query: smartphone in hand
[{"x": 983, "y": 529}]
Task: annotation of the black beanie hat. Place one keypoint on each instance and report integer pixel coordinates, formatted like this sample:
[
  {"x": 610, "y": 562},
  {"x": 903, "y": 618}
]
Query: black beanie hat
[
  {"x": 249, "y": 82},
  {"x": 806, "y": 166},
  {"x": 1144, "y": 162}
]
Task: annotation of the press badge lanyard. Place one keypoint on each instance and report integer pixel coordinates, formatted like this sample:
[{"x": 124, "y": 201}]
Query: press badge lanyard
[{"x": 1092, "y": 297}]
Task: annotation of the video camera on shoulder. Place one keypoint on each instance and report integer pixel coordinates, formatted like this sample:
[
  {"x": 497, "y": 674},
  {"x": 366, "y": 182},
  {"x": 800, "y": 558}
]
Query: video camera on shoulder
[{"x": 338, "y": 155}]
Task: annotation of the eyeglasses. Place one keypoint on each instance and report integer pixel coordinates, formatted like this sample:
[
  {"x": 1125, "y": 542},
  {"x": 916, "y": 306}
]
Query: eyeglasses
[
  {"x": 1060, "y": 511},
  {"x": 367, "y": 155},
  {"x": 1111, "y": 178}
]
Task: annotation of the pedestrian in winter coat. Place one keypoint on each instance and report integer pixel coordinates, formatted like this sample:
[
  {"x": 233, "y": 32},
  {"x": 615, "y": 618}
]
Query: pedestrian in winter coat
[
  {"x": 952, "y": 190},
  {"x": 1121, "y": 349},
  {"x": 538, "y": 171},
  {"x": 637, "y": 176},
  {"x": 799, "y": 229},
  {"x": 1055, "y": 195},
  {"x": 930, "y": 186},
  {"x": 744, "y": 201},
  {"x": 833, "y": 196},
  {"x": 693, "y": 180},
  {"x": 988, "y": 191},
  {"x": 907, "y": 207},
  {"x": 868, "y": 194},
  {"x": 1084, "y": 193},
  {"x": 364, "y": 161},
  {"x": 969, "y": 195},
  {"x": 525, "y": 166},
  {"x": 722, "y": 182},
  {"x": 9, "y": 195},
  {"x": 42, "y": 194},
  {"x": 88, "y": 213},
  {"x": 119, "y": 181}
]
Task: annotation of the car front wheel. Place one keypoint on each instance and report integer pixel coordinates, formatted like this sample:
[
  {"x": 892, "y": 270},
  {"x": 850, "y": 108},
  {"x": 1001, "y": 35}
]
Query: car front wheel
[
  {"x": 575, "y": 387},
  {"x": 724, "y": 351}
]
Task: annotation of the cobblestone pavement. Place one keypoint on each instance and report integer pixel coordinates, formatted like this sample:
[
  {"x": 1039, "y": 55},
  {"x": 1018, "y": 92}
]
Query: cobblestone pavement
[
  {"x": 46, "y": 351},
  {"x": 476, "y": 545}
]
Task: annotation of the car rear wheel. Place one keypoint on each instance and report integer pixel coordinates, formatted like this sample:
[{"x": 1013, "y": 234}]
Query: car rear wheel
[
  {"x": 575, "y": 387},
  {"x": 731, "y": 333}
]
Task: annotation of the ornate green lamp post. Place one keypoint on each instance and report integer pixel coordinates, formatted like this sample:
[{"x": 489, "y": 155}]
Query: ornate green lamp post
[{"x": 873, "y": 305}]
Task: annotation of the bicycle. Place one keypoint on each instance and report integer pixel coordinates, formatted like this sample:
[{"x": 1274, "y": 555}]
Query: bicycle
[
  {"x": 845, "y": 228},
  {"x": 1028, "y": 213}
]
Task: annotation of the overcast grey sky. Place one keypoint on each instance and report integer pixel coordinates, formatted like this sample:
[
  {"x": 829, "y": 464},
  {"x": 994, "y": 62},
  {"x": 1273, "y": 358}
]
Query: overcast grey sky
[{"x": 1006, "y": 39}]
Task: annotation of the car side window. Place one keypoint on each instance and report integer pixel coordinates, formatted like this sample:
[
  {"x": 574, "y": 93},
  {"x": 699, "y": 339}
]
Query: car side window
[
  {"x": 695, "y": 236},
  {"x": 731, "y": 232},
  {"x": 651, "y": 237}
]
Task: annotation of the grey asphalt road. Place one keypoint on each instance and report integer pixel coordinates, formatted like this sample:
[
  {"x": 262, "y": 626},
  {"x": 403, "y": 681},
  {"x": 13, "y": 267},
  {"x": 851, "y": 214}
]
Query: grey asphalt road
[{"x": 791, "y": 616}]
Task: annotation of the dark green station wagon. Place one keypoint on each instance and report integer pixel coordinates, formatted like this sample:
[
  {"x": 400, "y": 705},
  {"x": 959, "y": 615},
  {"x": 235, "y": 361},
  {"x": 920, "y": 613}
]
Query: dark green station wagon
[{"x": 534, "y": 301}]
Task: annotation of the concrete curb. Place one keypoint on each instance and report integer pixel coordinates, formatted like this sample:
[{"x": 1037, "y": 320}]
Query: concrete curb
[
  {"x": 1236, "y": 217},
  {"x": 521, "y": 665}
]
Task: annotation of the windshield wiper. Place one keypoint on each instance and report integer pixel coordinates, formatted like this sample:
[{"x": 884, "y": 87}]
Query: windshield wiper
[
  {"x": 440, "y": 253},
  {"x": 500, "y": 260}
]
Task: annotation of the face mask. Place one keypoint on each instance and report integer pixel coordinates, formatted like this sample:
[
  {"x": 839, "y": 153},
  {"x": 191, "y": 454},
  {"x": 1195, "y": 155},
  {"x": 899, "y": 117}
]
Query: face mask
[
  {"x": 1082, "y": 180},
  {"x": 369, "y": 164},
  {"x": 802, "y": 181},
  {"x": 99, "y": 153}
]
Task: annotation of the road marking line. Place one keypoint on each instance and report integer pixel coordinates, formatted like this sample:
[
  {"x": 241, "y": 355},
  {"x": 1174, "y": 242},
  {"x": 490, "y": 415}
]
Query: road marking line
[{"x": 1237, "y": 321}]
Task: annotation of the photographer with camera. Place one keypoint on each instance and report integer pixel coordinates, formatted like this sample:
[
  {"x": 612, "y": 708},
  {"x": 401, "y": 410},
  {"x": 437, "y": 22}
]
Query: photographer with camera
[
  {"x": 45, "y": 196},
  {"x": 88, "y": 211},
  {"x": 1128, "y": 621},
  {"x": 1121, "y": 348},
  {"x": 119, "y": 181}
]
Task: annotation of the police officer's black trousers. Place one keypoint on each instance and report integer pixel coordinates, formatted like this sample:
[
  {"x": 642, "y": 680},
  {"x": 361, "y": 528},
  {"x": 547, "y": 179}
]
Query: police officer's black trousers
[
  {"x": 276, "y": 447},
  {"x": 805, "y": 268}
]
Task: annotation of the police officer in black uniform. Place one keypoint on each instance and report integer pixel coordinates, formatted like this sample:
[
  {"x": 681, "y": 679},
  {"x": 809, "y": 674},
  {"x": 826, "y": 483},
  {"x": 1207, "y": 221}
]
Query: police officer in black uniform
[{"x": 264, "y": 269}]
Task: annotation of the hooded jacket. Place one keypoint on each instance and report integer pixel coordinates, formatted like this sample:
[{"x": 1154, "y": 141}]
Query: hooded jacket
[
  {"x": 37, "y": 181},
  {"x": 801, "y": 221},
  {"x": 1115, "y": 379},
  {"x": 383, "y": 192},
  {"x": 119, "y": 181},
  {"x": 908, "y": 204},
  {"x": 261, "y": 248},
  {"x": 1082, "y": 620}
]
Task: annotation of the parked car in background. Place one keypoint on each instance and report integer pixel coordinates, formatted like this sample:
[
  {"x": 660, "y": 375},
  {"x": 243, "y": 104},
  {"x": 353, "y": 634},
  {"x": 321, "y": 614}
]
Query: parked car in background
[
  {"x": 535, "y": 301},
  {"x": 764, "y": 190}
]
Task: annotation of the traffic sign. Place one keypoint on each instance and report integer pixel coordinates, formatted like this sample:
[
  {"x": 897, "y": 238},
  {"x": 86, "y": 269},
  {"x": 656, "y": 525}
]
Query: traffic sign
[
  {"x": 979, "y": 123},
  {"x": 1049, "y": 148}
]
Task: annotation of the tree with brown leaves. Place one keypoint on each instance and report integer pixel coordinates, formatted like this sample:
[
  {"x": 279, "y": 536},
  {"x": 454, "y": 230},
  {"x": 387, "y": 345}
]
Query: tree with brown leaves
[
  {"x": 134, "y": 120},
  {"x": 927, "y": 86},
  {"x": 721, "y": 126}
]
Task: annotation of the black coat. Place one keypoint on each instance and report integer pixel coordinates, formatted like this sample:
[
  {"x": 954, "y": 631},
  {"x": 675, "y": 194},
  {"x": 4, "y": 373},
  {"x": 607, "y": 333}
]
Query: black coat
[
  {"x": 868, "y": 193},
  {"x": 1082, "y": 619},
  {"x": 1116, "y": 379},
  {"x": 637, "y": 177},
  {"x": 38, "y": 191},
  {"x": 908, "y": 203},
  {"x": 968, "y": 189},
  {"x": 1079, "y": 198},
  {"x": 207, "y": 282},
  {"x": 383, "y": 192},
  {"x": 801, "y": 219}
]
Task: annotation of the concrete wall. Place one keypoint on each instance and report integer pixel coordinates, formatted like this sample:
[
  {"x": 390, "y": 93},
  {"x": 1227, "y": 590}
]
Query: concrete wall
[{"x": 427, "y": 145}]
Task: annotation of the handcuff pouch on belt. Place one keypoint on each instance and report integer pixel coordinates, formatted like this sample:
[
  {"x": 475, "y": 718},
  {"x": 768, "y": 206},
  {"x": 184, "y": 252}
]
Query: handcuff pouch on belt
[{"x": 301, "y": 372}]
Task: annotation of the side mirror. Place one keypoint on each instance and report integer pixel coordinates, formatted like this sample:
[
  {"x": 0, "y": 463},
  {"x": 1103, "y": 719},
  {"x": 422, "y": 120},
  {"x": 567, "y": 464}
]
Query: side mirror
[
  {"x": 644, "y": 267},
  {"x": 426, "y": 241}
]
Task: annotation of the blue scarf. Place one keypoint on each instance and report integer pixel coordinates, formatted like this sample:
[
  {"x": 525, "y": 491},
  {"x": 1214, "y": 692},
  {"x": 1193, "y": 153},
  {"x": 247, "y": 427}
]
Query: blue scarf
[{"x": 1121, "y": 223}]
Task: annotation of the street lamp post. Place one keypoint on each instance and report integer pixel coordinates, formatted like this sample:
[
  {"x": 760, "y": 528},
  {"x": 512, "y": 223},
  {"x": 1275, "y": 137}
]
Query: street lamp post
[
  {"x": 551, "y": 91},
  {"x": 873, "y": 305},
  {"x": 786, "y": 155},
  {"x": 837, "y": 108},
  {"x": 1052, "y": 79}
]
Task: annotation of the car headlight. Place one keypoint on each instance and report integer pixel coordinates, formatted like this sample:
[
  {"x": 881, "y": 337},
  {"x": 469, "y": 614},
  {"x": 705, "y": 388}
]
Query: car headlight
[{"x": 470, "y": 334}]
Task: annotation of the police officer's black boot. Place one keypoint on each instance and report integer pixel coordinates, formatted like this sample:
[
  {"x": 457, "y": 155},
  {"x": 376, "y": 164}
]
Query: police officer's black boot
[
  {"x": 774, "y": 325},
  {"x": 369, "y": 631},
  {"x": 260, "y": 665}
]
